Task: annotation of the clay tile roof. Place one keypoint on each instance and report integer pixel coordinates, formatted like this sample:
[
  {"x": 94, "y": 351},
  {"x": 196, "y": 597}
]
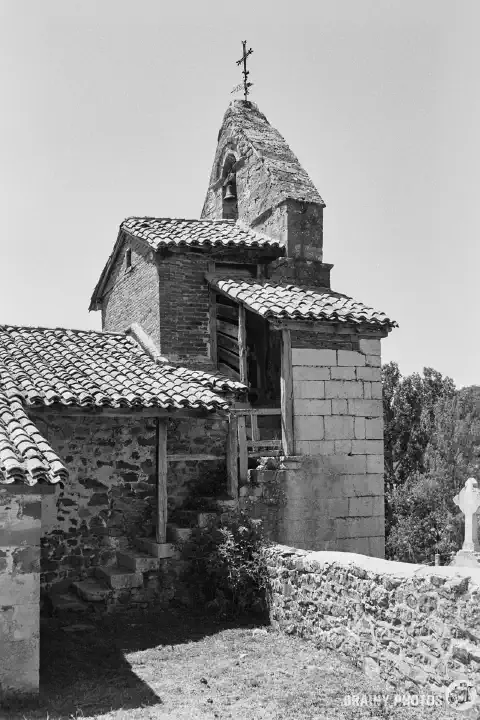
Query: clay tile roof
[
  {"x": 83, "y": 369},
  {"x": 160, "y": 232},
  {"x": 297, "y": 303}
]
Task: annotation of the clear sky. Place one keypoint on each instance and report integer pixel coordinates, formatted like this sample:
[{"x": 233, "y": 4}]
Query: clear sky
[{"x": 111, "y": 108}]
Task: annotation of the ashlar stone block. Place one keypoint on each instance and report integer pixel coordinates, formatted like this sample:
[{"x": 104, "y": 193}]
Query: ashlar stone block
[
  {"x": 339, "y": 427},
  {"x": 372, "y": 374},
  {"x": 311, "y": 407},
  {"x": 307, "y": 356},
  {"x": 307, "y": 427},
  {"x": 343, "y": 389},
  {"x": 370, "y": 346},
  {"x": 350, "y": 358},
  {"x": 374, "y": 428},
  {"x": 308, "y": 389},
  {"x": 322, "y": 447},
  {"x": 367, "y": 447},
  {"x": 339, "y": 407},
  {"x": 365, "y": 408},
  {"x": 307, "y": 372},
  {"x": 359, "y": 428},
  {"x": 375, "y": 463},
  {"x": 343, "y": 373}
]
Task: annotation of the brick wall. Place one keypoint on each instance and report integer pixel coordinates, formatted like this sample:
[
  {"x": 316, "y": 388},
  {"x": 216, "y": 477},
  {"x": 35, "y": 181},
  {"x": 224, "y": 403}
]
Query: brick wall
[
  {"x": 338, "y": 414},
  {"x": 133, "y": 295},
  {"x": 413, "y": 626},
  {"x": 184, "y": 308},
  {"x": 20, "y": 527}
]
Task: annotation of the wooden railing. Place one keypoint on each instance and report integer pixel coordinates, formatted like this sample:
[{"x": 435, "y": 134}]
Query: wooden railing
[{"x": 240, "y": 447}]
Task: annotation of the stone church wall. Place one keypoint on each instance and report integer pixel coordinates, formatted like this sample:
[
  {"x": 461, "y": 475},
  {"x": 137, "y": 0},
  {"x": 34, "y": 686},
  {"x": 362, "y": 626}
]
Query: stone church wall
[
  {"x": 414, "y": 626},
  {"x": 109, "y": 497},
  {"x": 338, "y": 415}
]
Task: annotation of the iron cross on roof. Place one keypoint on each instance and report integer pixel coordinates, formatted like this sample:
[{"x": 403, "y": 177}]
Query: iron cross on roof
[{"x": 246, "y": 85}]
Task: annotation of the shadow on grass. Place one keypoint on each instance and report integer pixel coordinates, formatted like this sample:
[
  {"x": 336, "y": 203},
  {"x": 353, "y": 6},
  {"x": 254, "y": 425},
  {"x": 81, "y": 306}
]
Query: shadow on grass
[{"x": 86, "y": 673}]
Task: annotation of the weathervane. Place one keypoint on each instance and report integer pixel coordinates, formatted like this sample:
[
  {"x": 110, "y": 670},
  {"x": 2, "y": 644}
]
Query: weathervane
[{"x": 245, "y": 85}]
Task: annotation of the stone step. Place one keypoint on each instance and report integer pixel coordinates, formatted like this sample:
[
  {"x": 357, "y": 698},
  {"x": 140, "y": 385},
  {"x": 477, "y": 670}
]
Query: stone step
[
  {"x": 160, "y": 551},
  {"x": 178, "y": 534},
  {"x": 92, "y": 590},
  {"x": 119, "y": 578},
  {"x": 137, "y": 561},
  {"x": 66, "y": 605}
]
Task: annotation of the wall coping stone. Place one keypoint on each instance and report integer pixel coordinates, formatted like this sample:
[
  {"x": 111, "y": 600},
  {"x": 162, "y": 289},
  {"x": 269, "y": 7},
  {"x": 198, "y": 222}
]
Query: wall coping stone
[{"x": 322, "y": 558}]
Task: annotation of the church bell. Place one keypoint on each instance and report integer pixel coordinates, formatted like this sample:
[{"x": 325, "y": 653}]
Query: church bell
[{"x": 230, "y": 192}]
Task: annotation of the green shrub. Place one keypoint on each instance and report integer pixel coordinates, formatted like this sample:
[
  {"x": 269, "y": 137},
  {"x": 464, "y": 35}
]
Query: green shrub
[{"x": 226, "y": 569}]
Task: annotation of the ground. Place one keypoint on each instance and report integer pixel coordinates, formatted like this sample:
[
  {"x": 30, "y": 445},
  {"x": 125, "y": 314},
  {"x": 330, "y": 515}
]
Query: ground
[{"x": 175, "y": 665}]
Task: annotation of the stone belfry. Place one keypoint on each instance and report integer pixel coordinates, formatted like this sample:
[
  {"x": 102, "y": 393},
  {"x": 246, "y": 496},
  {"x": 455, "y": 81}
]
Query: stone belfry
[{"x": 272, "y": 193}]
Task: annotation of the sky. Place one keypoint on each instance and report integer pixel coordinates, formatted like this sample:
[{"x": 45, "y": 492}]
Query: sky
[{"x": 112, "y": 108}]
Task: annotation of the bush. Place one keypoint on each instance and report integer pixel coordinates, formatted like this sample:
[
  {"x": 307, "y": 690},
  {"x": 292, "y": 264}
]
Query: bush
[{"x": 226, "y": 566}]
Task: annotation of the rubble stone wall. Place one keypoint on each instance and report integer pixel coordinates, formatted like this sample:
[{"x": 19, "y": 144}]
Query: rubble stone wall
[
  {"x": 412, "y": 625},
  {"x": 109, "y": 497},
  {"x": 20, "y": 523}
]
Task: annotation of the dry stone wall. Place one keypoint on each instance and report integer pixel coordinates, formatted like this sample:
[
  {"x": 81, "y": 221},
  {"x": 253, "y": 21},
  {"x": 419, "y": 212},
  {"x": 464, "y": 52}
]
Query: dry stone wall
[
  {"x": 412, "y": 625},
  {"x": 20, "y": 523}
]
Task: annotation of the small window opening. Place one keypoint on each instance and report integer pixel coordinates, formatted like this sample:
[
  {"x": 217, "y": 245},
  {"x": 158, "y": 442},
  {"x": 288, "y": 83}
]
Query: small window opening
[{"x": 128, "y": 259}]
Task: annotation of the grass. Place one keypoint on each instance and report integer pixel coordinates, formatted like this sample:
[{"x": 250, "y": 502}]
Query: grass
[{"x": 176, "y": 665}]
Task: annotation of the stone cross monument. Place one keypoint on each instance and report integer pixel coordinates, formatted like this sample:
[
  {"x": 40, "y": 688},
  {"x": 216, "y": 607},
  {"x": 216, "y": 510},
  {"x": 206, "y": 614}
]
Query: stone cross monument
[{"x": 468, "y": 500}]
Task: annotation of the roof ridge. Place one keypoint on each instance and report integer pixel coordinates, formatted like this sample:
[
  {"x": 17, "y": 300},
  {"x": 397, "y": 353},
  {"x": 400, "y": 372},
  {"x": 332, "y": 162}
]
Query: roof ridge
[
  {"x": 229, "y": 221},
  {"x": 6, "y": 326}
]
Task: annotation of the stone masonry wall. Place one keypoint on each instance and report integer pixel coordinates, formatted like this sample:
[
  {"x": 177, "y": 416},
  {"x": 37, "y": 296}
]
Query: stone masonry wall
[
  {"x": 314, "y": 503},
  {"x": 20, "y": 523},
  {"x": 338, "y": 414},
  {"x": 109, "y": 496},
  {"x": 412, "y": 625},
  {"x": 132, "y": 295}
]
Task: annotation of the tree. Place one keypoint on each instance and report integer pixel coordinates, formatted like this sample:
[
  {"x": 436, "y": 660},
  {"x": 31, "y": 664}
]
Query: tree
[
  {"x": 442, "y": 449},
  {"x": 409, "y": 414}
]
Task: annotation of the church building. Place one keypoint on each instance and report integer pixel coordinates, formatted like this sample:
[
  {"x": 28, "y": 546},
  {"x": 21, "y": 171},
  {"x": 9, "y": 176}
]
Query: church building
[{"x": 228, "y": 373}]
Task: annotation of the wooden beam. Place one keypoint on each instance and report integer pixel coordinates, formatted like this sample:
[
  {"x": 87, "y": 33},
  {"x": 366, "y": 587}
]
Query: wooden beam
[
  {"x": 212, "y": 307},
  {"x": 227, "y": 311},
  {"x": 68, "y": 410},
  {"x": 228, "y": 371},
  {"x": 232, "y": 458},
  {"x": 161, "y": 524},
  {"x": 181, "y": 457},
  {"x": 242, "y": 452},
  {"x": 286, "y": 389},
  {"x": 229, "y": 358},
  {"x": 266, "y": 444},
  {"x": 242, "y": 344},
  {"x": 228, "y": 329},
  {"x": 238, "y": 410},
  {"x": 254, "y": 423},
  {"x": 329, "y": 327},
  {"x": 223, "y": 341}
]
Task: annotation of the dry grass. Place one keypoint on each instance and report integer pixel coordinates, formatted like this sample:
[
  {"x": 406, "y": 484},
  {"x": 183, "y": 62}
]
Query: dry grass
[{"x": 173, "y": 665}]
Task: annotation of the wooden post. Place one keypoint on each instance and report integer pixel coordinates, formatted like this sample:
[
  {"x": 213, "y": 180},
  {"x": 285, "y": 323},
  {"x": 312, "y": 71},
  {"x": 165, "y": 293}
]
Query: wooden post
[
  {"x": 242, "y": 451},
  {"x": 232, "y": 457},
  {"x": 213, "y": 325},
  {"x": 242, "y": 344},
  {"x": 161, "y": 529},
  {"x": 286, "y": 388}
]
